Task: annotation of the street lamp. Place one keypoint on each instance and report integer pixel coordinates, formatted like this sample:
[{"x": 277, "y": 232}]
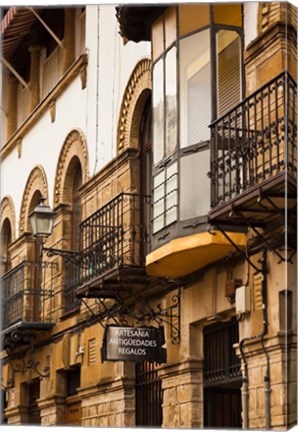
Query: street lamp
[{"x": 42, "y": 221}]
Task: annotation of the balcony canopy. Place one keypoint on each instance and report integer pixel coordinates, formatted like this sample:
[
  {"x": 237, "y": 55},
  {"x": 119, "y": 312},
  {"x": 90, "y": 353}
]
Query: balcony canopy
[
  {"x": 135, "y": 21},
  {"x": 15, "y": 25}
]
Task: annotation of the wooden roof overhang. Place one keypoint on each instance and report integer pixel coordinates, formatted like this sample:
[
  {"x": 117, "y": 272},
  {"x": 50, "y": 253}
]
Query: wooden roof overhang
[
  {"x": 15, "y": 25},
  {"x": 135, "y": 21}
]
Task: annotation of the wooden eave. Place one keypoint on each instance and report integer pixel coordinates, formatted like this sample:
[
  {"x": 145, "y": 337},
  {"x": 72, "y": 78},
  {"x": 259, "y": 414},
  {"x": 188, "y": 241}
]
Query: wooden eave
[{"x": 135, "y": 21}]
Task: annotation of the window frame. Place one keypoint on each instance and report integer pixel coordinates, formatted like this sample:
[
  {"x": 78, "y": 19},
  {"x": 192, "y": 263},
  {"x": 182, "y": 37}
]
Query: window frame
[{"x": 197, "y": 224}]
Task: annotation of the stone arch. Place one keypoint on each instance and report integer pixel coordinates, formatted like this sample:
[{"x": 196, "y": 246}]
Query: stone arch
[
  {"x": 75, "y": 145},
  {"x": 134, "y": 99},
  {"x": 8, "y": 213},
  {"x": 37, "y": 181}
]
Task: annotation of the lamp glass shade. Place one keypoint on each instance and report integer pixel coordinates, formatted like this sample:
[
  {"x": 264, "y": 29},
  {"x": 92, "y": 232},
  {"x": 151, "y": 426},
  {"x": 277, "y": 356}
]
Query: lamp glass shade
[{"x": 42, "y": 219}]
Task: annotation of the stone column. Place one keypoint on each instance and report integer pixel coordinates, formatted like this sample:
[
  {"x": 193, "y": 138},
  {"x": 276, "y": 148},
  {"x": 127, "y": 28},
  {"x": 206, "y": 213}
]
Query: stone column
[
  {"x": 182, "y": 386},
  {"x": 35, "y": 51},
  {"x": 69, "y": 38},
  {"x": 12, "y": 111},
  {"x": 52, "y": 410}
]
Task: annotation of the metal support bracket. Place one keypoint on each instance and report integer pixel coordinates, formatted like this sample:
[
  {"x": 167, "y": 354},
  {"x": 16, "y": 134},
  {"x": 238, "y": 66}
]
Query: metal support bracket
[
  {"x": 14, "y": 72},
  {"x": 238, "y": 249},
  {"x": 119, "y": 310}
]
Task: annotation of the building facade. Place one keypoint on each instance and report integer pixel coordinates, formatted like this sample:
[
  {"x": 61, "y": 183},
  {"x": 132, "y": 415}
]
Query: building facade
[{"x": 164, "y": 139}]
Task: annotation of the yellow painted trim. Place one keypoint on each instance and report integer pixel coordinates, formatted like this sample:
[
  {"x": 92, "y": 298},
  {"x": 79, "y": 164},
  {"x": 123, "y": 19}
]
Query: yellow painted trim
[{"x": 184, "y": 255}]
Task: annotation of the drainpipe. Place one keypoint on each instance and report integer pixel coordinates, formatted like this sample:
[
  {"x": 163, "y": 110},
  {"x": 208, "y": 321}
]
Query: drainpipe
[
  {"x": 267, "y": 390},
  {"x": 244, "y": 388}
]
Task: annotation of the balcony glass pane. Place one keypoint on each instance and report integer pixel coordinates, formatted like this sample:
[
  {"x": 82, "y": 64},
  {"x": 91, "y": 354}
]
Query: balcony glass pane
[
  {"x": 170, "y": 26},
  {"x": 193, "y": 17},
  {"x": 228, "y": 46},
  {"x": 171, "y": 194},
  {"x": 157, "y": 38},
  {"x": 229, "y": 14},
  {"x": 158, "y": 201},
  {"x": 171, "y": 101},
  {"x": 194, "y": 185},
  {"x": 195, "y": 89},
  {"x": 158, "y": 111}
]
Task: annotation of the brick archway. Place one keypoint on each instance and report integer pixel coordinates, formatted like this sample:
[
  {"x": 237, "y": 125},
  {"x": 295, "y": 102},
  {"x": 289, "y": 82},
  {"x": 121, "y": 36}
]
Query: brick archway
[
  {"x": 134, "y": 99},
  {"x": 75, "y": 145},
  {"x": 37, "y": 181},
  {"x": 8, "y": 212}
]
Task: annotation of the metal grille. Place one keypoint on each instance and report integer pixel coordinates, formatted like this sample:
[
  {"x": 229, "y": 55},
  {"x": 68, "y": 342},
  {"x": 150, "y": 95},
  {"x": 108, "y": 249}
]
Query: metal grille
[
  {"x": 148, "y": 395},
  {"x": 255, "y": 140},
  {"x": 221, "y": 363},
  {"x": 27, "y": 293}
]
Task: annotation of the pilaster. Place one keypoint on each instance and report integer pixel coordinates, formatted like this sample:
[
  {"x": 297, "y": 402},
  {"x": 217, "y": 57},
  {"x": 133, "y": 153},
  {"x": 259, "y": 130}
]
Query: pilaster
[
  {"x": 35, "y": 51},
  {"x": 12, "y": 111},
  {"x": 17, "y": 415},
  {"x": 69, "y": 38},
  {"x": 182, "y": 385},
  {"x": 109, "y": 404},
  {"x": 52, "y": 411}
]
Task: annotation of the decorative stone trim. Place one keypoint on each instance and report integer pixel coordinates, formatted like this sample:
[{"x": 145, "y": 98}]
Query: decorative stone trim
[
  {"x": 8, "y": 212},
  {"x": 140, "y": 80},
  {"x": 83, "y": 76},
  {"x": 37, "y": 181},
  {"x": 19, "y": 147},
  {"x": 74, "y": 145},
  {"x": 53, "y": 111}
]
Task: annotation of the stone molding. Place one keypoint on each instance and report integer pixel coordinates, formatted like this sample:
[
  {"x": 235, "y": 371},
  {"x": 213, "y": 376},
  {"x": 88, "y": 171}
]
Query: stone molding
[
  {"x": 75, "y": 145},
  {"x": 181, "y": 368},
  {"x": 139, "y": 81},
  {"x": 8, "y": 212},
  {"x": 37, "y": 181}
]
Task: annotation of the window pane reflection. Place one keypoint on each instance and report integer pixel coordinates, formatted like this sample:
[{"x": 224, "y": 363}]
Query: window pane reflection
[
  {"x": 194, "y": 185},
  {"x": 171, "y": 102},
  {"x": 228, "y": 47},
  {"x": 195, "y": 89},
  {"x": 158, "y": 111}
]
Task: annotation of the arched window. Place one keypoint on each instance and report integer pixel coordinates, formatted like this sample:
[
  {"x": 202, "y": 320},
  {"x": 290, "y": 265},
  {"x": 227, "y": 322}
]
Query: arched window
[
  {"x": 6, "y": 241},
  {"x": 73, "y": 182}
]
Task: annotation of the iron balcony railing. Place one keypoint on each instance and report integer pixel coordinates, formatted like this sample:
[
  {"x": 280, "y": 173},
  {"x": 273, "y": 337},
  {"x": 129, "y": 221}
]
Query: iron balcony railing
[
  {"x": 255, "y": 141},
  {"x": 116, "y": 235},
  {"x": 27, "y": 293}
]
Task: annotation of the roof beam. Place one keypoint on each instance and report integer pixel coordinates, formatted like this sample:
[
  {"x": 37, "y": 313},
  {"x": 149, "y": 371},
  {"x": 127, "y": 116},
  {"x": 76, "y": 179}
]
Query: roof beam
[
  {"x": 15, "y": 73},
  {"x": 59, "y": 42}
]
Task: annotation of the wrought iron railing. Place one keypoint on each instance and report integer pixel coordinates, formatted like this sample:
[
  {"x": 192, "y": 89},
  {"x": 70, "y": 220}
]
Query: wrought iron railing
[
  {"x": 116, "y": 235},
  {"x": 255, "y": 141},
  {"x": 27, "y": 293}
]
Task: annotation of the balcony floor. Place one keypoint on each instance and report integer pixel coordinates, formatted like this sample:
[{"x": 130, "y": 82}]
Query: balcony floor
[
  {"x": 117, "y": 281},
  {"x": 22, "y": 332}
]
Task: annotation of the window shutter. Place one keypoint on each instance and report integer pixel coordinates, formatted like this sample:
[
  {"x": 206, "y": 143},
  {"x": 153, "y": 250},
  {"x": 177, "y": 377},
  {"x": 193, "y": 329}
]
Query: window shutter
[
  {"x": 199, "y": 106},
  {"x": 229, "y": 86}
]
